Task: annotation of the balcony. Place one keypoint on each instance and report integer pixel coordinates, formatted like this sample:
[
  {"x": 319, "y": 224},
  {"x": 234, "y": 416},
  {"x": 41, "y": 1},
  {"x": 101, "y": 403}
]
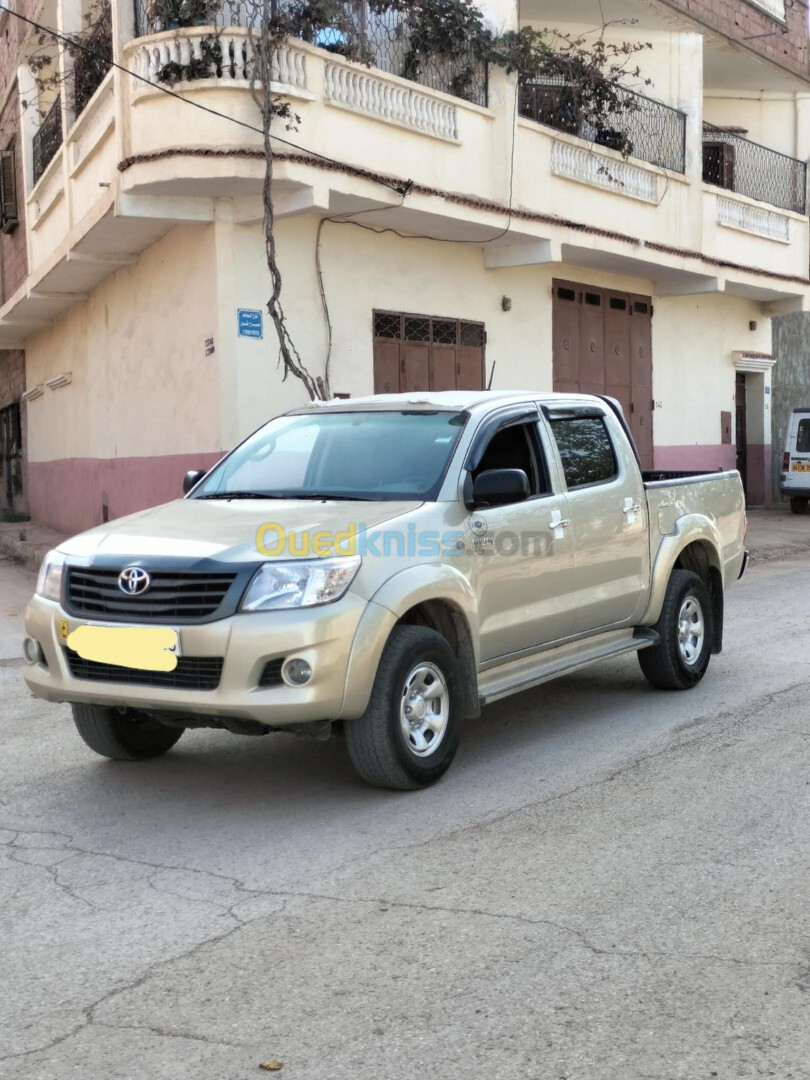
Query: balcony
[
  {"x": 641, "y": 128},
  {"x": 739, "y": 165},
  {"x": 381, "y": 40}
]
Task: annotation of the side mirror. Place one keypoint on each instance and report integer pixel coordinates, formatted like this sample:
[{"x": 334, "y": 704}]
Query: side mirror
[
  {"x": 191, "y": 479},
  {"x": 497, "y": 487}
]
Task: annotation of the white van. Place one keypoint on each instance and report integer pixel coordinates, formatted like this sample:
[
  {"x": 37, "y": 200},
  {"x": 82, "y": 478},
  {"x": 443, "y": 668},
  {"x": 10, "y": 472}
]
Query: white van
[{"x": 795, "y": 479}]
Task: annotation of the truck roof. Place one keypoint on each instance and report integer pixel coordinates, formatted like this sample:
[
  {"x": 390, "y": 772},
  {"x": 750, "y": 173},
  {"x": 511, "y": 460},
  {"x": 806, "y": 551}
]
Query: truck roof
[{"x": 445, "y": 399}]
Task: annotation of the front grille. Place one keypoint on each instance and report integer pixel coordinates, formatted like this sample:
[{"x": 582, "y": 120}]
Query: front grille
[
  {"x": 191, "y": 673},
  {"x": 271, "y": 675},
  {"x": 172, "y": 595}
]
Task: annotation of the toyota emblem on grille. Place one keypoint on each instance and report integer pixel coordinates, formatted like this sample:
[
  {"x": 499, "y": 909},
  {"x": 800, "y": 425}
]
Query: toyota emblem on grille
[{"x": 133, "y": 581}]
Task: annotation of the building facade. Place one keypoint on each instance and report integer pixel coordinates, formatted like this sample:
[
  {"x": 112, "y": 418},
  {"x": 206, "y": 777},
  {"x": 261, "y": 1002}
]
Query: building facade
[{"x": 433, "y": 231}]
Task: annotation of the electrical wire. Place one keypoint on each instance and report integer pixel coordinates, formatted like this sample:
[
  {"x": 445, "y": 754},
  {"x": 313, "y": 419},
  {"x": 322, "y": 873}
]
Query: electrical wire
[{"x": 72, "y": 42}]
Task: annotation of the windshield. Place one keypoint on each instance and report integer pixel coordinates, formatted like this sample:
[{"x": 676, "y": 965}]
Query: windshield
[{"x": 341, "y": 455}]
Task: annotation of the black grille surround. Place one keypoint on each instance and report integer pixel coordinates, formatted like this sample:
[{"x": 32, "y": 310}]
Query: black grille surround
[
  {"x": 191, "y": 673},
  {"x": 174, "y": 596}
]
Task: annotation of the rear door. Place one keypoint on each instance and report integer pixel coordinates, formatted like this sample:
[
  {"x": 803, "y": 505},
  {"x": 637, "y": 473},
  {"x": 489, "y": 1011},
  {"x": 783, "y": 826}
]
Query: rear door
[{"x": 608, "y": 513}]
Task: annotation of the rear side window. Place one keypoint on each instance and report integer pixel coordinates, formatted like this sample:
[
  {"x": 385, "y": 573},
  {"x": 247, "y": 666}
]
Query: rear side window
[
  {"x": 803, "y": 437},
  {"x": 585, "y": 449}
]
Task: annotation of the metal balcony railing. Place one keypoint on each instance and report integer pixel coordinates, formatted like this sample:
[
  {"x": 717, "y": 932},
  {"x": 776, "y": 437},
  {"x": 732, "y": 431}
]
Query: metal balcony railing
[
  {"x": 640, "y": 127},
  {"x": 47, "y": 139},
  {"x": 92, "y": 63},
  {"x": 735, "y": 163},
  {"x": 381, "y": 39}
]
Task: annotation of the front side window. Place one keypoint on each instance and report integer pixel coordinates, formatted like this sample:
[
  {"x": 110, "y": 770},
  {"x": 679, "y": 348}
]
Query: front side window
[
  {"x": 514, "y": 448},
  {"x": 585, "y": 450},
  {"x": 341, "y": 455}
]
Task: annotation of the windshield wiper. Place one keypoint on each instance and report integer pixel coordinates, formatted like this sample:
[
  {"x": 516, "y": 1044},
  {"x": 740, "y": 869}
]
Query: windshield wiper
[
  {"x": 322, "y": 497},
  {"x": 242, "y": 495}
]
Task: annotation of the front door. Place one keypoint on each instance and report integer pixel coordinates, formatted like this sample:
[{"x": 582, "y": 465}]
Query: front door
[{"x": 522, "y": 566}]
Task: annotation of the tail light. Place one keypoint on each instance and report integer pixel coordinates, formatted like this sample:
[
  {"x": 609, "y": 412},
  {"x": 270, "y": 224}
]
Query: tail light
[
  {"x": 785, "y": 461},
  {"x": 745, "y": 527}
]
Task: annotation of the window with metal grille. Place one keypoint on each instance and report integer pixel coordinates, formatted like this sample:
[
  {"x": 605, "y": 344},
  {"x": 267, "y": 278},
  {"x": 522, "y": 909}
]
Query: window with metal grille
[
  {"x": 9, "y": 212},
  {"x": 426, "y": 352}
]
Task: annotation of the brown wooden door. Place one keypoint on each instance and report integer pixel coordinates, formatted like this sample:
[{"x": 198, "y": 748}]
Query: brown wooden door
[
  {"x": 602, "y": 344},
  {"x": 565, "y": 334},
  {"x": 592, "y": 343},
  {"x": 420, "y": 352},
  {"x": 742, "y": 428},
  {"x": 617, "y": 350},
  {"x": 641, "y": 378}
]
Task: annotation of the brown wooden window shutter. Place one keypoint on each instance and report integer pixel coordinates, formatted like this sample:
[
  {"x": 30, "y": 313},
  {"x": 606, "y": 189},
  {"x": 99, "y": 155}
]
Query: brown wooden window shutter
[
  {"x": 9, "y": 214},
  {"x": 422, "y": 352}
]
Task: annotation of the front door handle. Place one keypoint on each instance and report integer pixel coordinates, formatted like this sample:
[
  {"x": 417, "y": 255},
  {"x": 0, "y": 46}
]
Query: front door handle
[
  {"x": 558, "y": 521},
  {"x": 631, "y": 507}
]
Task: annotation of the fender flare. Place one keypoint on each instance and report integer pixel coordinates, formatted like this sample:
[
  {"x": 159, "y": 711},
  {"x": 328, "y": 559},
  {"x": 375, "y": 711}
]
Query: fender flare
[
  {"x": 405, "y": 590},
  {"x": 690, "y": 529}
]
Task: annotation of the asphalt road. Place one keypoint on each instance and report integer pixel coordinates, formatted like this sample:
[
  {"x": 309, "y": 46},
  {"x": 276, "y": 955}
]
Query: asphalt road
[{"x": 611, "y": 884}]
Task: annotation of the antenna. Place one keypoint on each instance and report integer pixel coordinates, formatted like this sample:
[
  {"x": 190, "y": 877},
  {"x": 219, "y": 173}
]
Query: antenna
[{"x": 491, "y": 375}]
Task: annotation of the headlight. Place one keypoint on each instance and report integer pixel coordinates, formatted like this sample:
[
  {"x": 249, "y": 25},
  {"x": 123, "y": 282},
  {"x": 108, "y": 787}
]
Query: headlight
[
  {"x": 300, "y": 584},
  {"x": 49, "y": 582}
]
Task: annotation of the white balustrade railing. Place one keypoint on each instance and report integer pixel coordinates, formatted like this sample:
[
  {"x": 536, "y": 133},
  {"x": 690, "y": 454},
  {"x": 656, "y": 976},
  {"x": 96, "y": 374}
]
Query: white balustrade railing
[
  {"x": 212, "y": 53},
  {"x": 367, "y": 92}
]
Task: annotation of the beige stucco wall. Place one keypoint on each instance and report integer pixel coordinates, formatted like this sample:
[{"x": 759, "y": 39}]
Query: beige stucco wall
[
  {"x": 141, "y": 382},
  {"x": 693, "y": 337},
  {"x": 143, "y": 386},
  {"x": 772, "y": 120},
  {"x": 693, "y": 373}
]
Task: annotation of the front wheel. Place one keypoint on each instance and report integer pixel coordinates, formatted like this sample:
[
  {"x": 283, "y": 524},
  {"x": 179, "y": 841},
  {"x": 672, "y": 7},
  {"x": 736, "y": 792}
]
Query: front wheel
[
  {"x": 123, "y": 734},
  {"x": 686, "y": 632},
  {"x": 798, "y": 504},
  {"x": 410, "y": 731}
]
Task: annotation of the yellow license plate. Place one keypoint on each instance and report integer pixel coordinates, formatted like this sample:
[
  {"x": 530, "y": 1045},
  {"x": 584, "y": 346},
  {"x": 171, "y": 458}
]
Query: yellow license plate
[
  {"x": 146, "y": 648},
  {"x": 800, "y": 466}
]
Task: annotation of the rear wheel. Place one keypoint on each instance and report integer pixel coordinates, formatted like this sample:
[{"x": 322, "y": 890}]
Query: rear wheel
[
  {"x": 410, "y": 731},
  {"x": 686, "y": 632},
  {"x": 123, "y": 734},
  {"x": 798, "y": 504}
]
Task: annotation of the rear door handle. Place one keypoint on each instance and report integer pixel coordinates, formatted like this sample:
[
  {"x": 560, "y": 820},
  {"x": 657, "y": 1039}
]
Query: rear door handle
[{"x": 630, "y": 507}]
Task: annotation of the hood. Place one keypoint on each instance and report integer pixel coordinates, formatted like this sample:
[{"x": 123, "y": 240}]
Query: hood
[{"x": 231, "y": 531}]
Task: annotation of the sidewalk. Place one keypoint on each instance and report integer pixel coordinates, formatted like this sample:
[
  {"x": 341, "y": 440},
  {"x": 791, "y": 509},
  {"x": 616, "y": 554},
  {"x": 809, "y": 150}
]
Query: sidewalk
[{"x": 773, "y": 533}]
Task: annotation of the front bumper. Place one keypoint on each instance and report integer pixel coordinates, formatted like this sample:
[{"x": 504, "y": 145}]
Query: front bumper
[{"x": 333, "y": 639}]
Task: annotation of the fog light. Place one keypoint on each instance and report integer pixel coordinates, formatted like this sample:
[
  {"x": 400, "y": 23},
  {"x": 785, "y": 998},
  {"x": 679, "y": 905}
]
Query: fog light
[
  {"x": 32, "y": 651},
  {"x": 297, "y": 672}
]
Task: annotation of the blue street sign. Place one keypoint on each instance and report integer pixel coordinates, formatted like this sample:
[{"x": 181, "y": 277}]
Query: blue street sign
[{"x": 250, "y": 323}]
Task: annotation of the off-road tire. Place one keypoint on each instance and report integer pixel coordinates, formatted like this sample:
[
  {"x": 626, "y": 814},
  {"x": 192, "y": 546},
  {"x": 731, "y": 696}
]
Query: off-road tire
[
  {"x": 378, "y": 747},
  {"x": 798, "y": 504},
  {"x": 123, "y": 734},
  {"x": 687, "y": 605}
]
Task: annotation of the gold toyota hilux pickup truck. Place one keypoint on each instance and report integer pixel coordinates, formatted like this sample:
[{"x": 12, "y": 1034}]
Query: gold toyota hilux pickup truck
[{"x": 388, "y": 565}]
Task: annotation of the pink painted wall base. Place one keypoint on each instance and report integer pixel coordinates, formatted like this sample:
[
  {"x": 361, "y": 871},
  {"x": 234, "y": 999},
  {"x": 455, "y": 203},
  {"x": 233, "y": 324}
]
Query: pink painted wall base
[
  {"x": 68, "y": 494},
  {"x": 720, "y": 457},
  {"x": 690, "y": 458}
]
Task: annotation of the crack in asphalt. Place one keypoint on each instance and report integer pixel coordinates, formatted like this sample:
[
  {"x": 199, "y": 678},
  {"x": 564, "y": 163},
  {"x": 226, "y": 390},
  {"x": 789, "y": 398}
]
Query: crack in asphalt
[
  {"x": 89, "y": 1012},
  {"x": 163, "y": 1033}
]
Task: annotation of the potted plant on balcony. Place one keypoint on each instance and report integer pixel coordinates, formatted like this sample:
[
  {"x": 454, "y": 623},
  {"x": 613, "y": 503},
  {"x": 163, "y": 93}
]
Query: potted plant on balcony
[{"x": 173, "y": 14}]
